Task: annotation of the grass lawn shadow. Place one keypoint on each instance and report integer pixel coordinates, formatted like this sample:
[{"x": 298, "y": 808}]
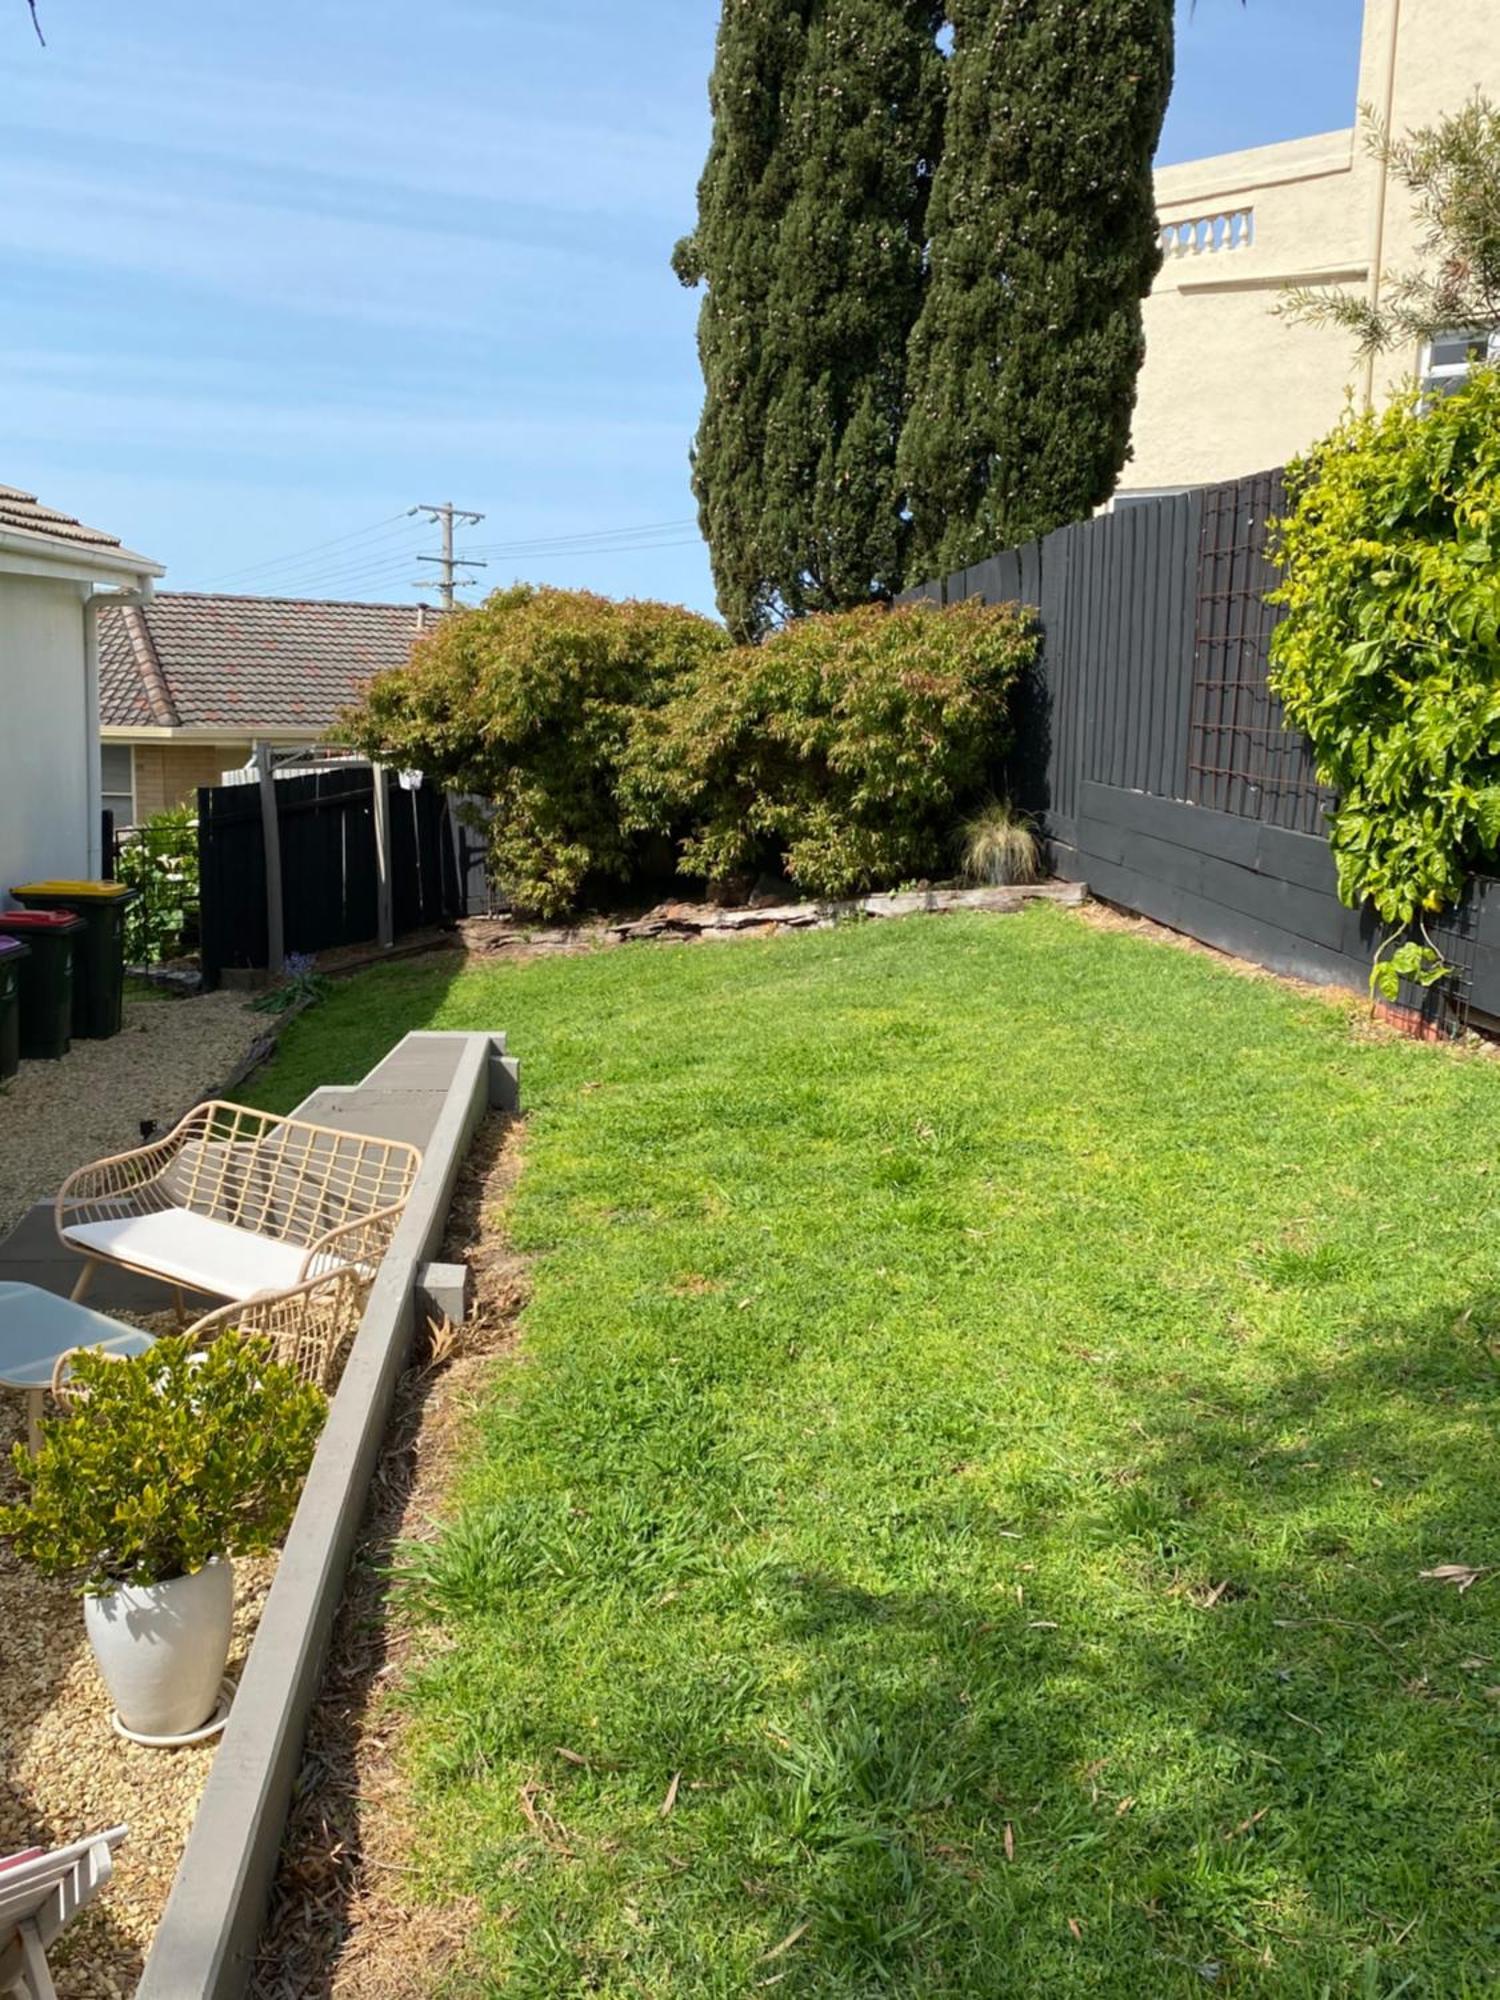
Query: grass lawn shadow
[{"x": 989, "y": 1393}]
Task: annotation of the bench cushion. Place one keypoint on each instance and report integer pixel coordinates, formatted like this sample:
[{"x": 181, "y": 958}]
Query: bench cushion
[{"x": 193, "y": 1250}]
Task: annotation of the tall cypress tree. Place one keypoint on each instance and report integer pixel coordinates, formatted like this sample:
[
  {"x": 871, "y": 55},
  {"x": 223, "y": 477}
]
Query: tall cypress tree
[
  {"x": 1023, "y": 365},
  {"x": 811, "y": 239},
  {"x": 742, "y": 197},
  {"x": 865, "y": 125}
]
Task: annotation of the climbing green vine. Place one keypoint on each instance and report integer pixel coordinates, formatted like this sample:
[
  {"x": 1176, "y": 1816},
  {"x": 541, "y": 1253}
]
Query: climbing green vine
[{"x": 1389, "y": 656}]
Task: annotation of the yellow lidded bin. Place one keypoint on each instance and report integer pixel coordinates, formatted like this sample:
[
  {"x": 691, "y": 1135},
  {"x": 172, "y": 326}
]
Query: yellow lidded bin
[{"x": 99, "y": 957}]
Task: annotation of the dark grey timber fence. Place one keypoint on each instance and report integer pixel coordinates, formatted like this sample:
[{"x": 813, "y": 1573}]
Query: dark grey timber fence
[
  {"x": 326, "y": 821},
  {"x": 1156, "y": 759}
]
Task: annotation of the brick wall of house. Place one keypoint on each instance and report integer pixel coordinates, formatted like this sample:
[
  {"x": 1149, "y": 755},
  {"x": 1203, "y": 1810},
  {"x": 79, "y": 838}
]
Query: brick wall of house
[{"x": 168, "y": 774}]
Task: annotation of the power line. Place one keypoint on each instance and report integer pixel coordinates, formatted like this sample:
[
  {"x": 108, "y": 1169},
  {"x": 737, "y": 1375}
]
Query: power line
[
  {"x": 619, "y": 549},
  {"x": 394, "y": 545},
  {"x": 393, "y": 562},
  {"x": 385, "y": 542},
  {"x": 386, "y": 576},
  {"x": 600, "y": 535},
  {"x": 374, "y": 560},
  {"x": 540, "y": 557},
  {"x": 295, "y": 559},
  {"x": 381, "y": 586}
]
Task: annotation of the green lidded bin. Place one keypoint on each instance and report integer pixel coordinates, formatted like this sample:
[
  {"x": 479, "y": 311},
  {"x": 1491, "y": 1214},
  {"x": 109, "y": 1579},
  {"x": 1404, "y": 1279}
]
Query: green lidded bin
[
  {"x": 99, "y": 958},
  {"x": 46, "y": 978},
  {"x": 13, "y": 955}
]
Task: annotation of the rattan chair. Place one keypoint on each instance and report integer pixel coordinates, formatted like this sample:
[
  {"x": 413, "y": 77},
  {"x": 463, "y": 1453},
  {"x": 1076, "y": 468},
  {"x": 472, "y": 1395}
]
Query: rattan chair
[
  {"x": 311, "y": 1329},
  {"x": 236, "y": 1204}
]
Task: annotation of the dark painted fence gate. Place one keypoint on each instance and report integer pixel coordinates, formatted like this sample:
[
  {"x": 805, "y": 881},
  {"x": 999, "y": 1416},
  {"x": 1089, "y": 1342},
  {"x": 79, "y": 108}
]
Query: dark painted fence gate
[
  {"x": 329, "y": 871},
  {"x": 1154, "y": 754}
]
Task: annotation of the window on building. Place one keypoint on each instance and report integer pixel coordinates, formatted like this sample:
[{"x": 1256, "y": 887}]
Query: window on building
[
  {"x": 1448, "y": 361},
  {"x": 117, "y": 768}
]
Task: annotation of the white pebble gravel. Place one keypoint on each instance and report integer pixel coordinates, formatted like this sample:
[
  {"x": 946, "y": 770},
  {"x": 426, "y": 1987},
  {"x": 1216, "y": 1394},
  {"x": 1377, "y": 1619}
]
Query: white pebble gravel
[{"x": 56, "y": 1116}]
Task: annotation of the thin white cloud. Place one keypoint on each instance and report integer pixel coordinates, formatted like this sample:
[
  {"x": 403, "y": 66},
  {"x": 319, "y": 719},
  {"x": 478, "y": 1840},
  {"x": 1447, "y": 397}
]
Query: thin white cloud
[
  {"x": 479, "y": 153},
  {"x": 39, "y": 409},
  {"x": 297, "y": 261}
]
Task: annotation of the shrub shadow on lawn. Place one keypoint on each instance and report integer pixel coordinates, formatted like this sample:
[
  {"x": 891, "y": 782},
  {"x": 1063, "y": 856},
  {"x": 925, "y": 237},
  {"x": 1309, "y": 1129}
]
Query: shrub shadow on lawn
[{"x": 357, "y": 1023}]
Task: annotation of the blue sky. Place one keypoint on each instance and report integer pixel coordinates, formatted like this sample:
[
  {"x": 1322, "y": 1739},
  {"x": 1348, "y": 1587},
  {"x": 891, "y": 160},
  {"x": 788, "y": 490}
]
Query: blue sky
[{"x": 274, "y": 274}]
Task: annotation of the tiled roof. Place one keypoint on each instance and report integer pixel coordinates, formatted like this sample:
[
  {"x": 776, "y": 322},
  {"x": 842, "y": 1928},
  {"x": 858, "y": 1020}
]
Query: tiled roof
[
  {"x": 23, "y": 514},
  {"x": 246, "y": 664}
]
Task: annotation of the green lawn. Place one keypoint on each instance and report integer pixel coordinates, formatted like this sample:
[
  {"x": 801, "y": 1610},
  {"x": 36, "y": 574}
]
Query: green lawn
[{"x": 990, "y": 1391}]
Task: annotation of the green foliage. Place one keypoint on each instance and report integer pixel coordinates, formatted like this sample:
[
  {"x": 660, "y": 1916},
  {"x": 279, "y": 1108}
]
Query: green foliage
[
  {"x": 922, "y": 326},
  {"x": 1452, "y": 170},
  {"x": 843, "y": 747},
  {"x": 977, "y": 1372},
  {"x": 1389, "y": 656},
  {"x": 810, "y": 237},
  {"x": 1422, "y": 964},
  {"x": 528, "y": 701},
  {"x": 168, "y": 1460},
  {"x": 160, "y": 860},
  {"x": 1044, "y": 242},
  {"x": 742, "y": 195}
]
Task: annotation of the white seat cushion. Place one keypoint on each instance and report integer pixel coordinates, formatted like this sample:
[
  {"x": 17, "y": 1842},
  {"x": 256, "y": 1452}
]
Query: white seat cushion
[{"x": 192, "y": 1250}]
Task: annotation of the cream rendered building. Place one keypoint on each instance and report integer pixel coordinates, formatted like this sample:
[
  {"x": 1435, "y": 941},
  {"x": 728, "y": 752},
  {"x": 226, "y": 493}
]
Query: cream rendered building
[{"x": 1228, "y": 388}]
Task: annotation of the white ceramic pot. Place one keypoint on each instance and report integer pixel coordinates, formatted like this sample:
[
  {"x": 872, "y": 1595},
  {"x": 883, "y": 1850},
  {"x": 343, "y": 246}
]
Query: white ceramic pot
[{"x": 162, "y": 1648}]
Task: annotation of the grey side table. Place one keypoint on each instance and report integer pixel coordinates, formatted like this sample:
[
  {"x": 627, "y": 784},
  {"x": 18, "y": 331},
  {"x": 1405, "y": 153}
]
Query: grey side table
[{"x": 37, "y": 1328}]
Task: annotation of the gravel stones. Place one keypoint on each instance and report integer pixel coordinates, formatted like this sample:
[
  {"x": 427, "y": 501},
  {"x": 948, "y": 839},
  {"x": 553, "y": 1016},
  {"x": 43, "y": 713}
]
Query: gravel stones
[{"x": 57, "y": 1116}]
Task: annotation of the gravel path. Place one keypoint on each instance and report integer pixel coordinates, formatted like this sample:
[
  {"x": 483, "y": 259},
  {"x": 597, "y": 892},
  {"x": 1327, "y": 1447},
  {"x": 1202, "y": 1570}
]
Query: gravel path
[
  {"x": 59, "y": 1115},
  {"x": 66, "y": 1772}
]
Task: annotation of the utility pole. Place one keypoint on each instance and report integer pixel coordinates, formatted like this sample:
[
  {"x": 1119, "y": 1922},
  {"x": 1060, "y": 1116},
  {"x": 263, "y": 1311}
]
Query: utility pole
[{"x": 445, "y": 516}]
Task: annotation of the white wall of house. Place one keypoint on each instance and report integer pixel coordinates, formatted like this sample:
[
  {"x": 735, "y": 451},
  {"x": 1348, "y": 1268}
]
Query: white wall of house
[{"x": 48, "y": 732}]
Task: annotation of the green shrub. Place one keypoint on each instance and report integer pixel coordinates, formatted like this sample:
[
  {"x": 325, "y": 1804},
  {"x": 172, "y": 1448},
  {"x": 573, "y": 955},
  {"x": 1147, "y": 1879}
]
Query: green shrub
[
  {"x": 843, "y": 748},
  {"x": 160, "y": 859},
  {"x": 528, "y": 702},
  {"x": 1389, "y": 656},
  {"x": 167, "y": 1462}
]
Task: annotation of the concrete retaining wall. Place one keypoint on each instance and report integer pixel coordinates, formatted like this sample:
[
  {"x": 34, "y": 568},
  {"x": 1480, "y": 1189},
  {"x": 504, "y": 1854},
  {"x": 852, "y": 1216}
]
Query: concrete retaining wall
[{"x": 433, "y": 1089}]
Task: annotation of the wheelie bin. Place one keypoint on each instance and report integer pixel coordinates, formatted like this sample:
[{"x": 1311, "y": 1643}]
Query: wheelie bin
[
  {"x": 99, "y": 956},
  {"x": 46, "y": 996},
  {"x": 13, "y": 955}
]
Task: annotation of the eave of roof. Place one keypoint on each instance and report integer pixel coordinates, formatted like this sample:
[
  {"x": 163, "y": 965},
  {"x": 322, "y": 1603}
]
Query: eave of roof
[{"x": 34, "y": 535}]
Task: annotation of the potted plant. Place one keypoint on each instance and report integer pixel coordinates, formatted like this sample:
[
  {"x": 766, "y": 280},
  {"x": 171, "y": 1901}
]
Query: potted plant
[{"x": 172, "y": 1463}]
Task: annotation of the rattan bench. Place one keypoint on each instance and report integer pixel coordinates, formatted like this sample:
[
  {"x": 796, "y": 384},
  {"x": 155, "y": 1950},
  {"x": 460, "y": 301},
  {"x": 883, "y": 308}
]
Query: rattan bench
[{"x": 236, "y": 1203}]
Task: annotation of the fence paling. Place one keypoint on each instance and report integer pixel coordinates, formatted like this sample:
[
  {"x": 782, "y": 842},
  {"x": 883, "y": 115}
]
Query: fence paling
[
  {"x": 325, "y": 822},
  {"x": 1151, "y": 749}
]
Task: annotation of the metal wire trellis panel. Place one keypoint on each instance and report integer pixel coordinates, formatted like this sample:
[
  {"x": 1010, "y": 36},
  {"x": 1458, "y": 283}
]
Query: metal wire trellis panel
[{"x": 1242, "y": 759}]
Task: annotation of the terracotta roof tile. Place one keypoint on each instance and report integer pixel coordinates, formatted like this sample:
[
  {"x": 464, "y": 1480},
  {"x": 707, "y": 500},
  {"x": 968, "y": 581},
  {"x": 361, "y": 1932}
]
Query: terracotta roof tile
[
  {"x": 22, "y": 513},
  {"x": 245, "y": 664}
]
